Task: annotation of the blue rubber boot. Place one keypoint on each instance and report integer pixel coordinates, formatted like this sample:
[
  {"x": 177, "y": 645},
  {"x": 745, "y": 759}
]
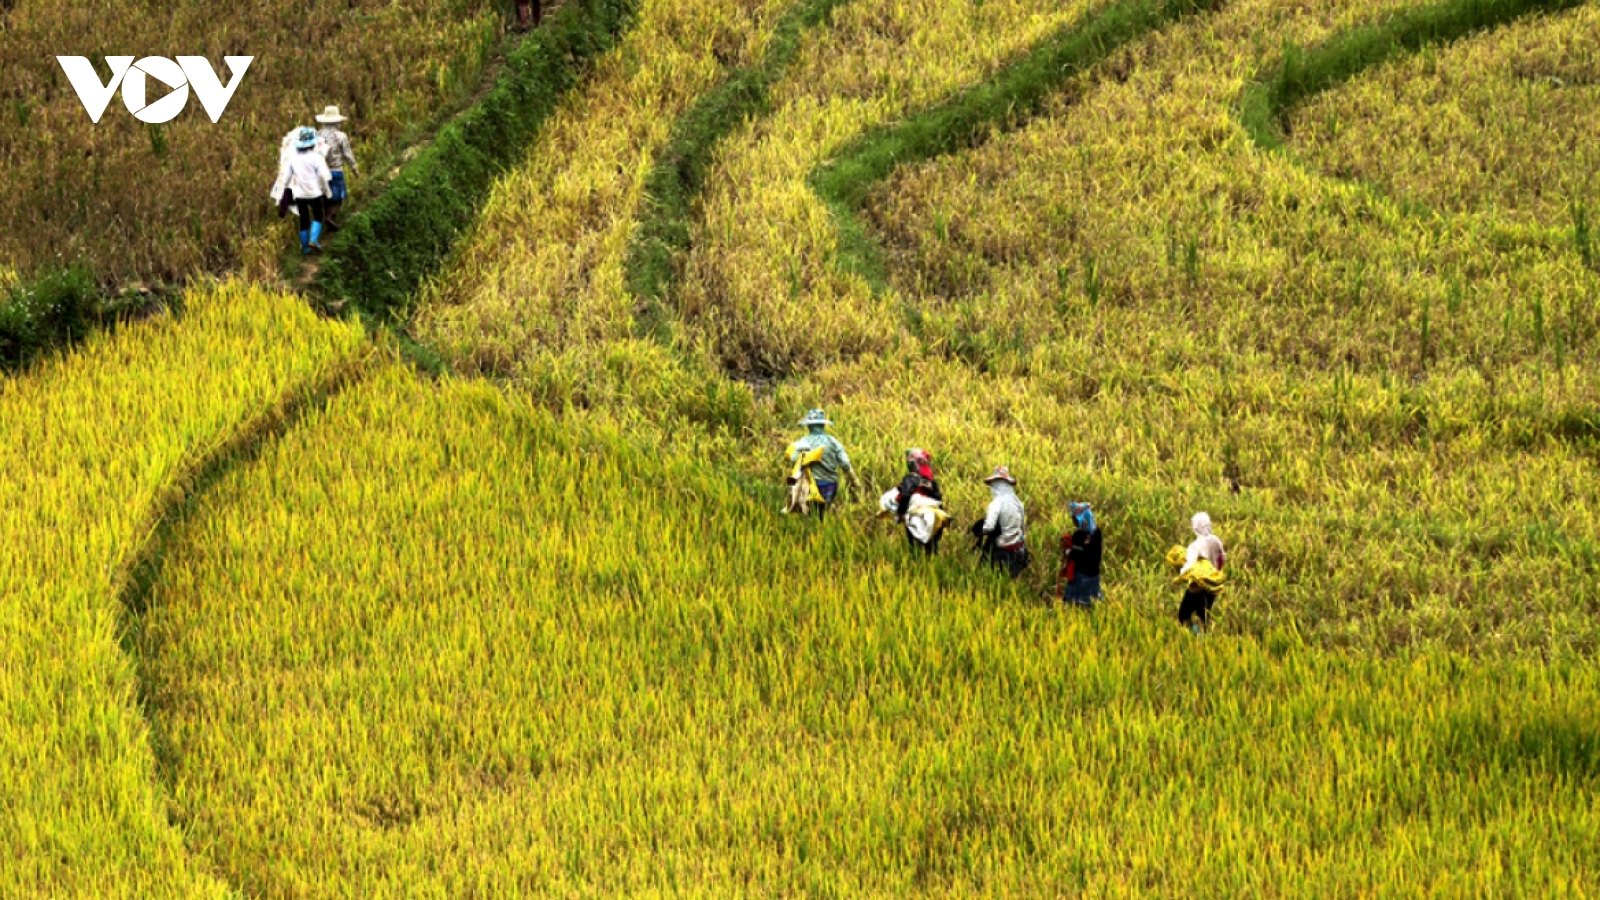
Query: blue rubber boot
[
  {"x": 316, "y": 236},
  {"x": 305, "y": 242}
]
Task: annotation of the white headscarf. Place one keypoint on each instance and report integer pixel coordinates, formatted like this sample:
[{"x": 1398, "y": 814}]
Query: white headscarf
[{"x": 1205, "y": 544}]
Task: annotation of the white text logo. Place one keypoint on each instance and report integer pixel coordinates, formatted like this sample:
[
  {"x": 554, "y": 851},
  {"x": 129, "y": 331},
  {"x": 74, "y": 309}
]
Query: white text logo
[{"x": 133, "y": 78}]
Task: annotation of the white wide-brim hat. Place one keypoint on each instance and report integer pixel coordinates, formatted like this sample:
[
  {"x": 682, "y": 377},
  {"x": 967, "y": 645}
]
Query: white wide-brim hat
[{"x": 330, "y": 116}]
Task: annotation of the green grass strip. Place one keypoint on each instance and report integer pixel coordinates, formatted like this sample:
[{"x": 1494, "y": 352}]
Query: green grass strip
[
  {"x": 679, "y": 173},
  {"x": 1301, "y": 74},
  {"x": 377, "y": 261},
  {"x": 60, "y": 308},
  {"x": 1013, "y": 96}
]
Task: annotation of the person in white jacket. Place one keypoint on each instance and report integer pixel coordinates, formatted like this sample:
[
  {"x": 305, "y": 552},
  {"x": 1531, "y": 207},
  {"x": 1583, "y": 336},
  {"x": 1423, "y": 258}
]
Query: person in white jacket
[
  {"x": 1003, "y": 531},
  {"x": 305, "y": 182}
]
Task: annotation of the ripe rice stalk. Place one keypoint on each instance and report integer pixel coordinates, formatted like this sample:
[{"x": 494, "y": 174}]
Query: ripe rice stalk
[{"x": 94, "y": 446}]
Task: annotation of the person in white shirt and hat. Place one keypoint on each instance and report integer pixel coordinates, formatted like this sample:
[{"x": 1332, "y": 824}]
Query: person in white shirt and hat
[
  {"x": 336, "y": 148},
  {"x": 1003, "y": 530},
  {"x": 303, "y": 180}
]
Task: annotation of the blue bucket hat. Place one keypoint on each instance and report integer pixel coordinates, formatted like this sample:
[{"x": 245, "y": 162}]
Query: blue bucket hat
[
  {"x": 816, "y": 417},
  {"x": 1083, "y": 515},
  {"x": 307, "y": 139}
]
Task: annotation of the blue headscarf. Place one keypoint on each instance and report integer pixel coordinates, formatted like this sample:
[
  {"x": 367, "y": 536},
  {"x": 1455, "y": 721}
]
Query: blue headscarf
[{"x": 1083, "y": 516}]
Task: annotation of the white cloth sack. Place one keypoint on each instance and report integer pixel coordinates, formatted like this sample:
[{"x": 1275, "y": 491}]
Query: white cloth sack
[{"x": 921, "y": 519}]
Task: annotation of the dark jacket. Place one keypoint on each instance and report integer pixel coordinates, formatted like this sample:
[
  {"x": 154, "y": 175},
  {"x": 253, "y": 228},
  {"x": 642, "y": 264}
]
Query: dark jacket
[
  {"x": 1083, "y": 552},
  {"x": 915, "y": 484}
]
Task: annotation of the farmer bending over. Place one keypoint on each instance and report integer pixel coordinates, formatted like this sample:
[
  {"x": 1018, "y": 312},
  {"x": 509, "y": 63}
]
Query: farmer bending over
[
  {"x": 919, "y": 503},
  {"x": 1003, "y": 532}
]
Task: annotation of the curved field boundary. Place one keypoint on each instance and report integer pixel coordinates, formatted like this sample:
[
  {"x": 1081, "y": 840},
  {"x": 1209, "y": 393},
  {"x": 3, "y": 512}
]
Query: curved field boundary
[
  {"x": 1013, "y": 96},
  {"x": 679, "y": 172},
  {"x": 1301, "y": 74},
  {"x": 380, "y": 257},
  {"x": 96, "y": 444},
  {"x": 175, "y": 506}
]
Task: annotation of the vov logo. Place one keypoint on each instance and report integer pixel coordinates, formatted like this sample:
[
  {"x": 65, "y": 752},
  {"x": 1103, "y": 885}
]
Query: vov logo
[{"x": 134, "y": 77}]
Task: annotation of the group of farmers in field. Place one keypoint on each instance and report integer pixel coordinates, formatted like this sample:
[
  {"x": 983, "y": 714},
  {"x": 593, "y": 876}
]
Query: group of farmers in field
[{"x": 818, "y": 460}]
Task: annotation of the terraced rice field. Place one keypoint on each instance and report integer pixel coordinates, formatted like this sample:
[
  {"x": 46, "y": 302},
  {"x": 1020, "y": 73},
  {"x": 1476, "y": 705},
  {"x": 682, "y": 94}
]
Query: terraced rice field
[{"x": 285, "y": 618}]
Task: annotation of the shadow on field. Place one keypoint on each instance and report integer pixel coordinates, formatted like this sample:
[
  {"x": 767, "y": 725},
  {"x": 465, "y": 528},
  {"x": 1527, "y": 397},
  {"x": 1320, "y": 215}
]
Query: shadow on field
[{"x": 1562, "y": 745}]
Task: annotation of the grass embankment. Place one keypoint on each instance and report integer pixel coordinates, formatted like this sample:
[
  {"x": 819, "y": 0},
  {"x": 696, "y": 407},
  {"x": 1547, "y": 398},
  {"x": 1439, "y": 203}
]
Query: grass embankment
[
  {"x": 678, "y": 177},
  {"x": 538, "y": 292},
  {"x": 1300, "y": 74},
  {"x": 96, "y": 447},
  {"x": 163, "y": 202},
  {"x": 382, "y": 255},
  {"x": 752, "y": 288},
  {"x": 439, "y": 642}
]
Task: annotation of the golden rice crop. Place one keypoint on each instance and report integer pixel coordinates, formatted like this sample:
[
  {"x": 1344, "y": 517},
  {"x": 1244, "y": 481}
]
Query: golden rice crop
[
  {"x": 757, "y": 283},
  {"x": 1503, "y": 124},
  {"x": 1129, "y": 303},
  {"x": 93, "y": 446},
  {"x": 166, "y": 201},
  {"x": 543, "y": 271},
  {"x": 437, "y": 642}
]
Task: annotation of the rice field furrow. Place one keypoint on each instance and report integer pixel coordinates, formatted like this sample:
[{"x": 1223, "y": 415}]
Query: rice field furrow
[
  {"x": 674, "y": 184},
  {"x": 1004, "y": 102},
  {"x": 97, "y": 444}
]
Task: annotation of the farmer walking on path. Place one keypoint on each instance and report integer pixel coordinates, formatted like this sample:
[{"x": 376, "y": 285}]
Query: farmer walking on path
[
  {"x": 1080, "y": 564},
  {"x": 1003, "y": 532},
  {"x": 1200, "y": 573},
  {"x": 821, "y": 458},
  {"x": 339, "y": 156},
  {"x": 919, "y": 504},
  {"x": 306, "y": 179}
]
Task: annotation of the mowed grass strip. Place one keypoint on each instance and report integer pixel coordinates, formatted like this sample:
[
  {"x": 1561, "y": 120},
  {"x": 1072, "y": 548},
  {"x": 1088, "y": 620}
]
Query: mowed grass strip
[
  {"x": 438, "y": 642},
  {"x": 97, "y": 444}
]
